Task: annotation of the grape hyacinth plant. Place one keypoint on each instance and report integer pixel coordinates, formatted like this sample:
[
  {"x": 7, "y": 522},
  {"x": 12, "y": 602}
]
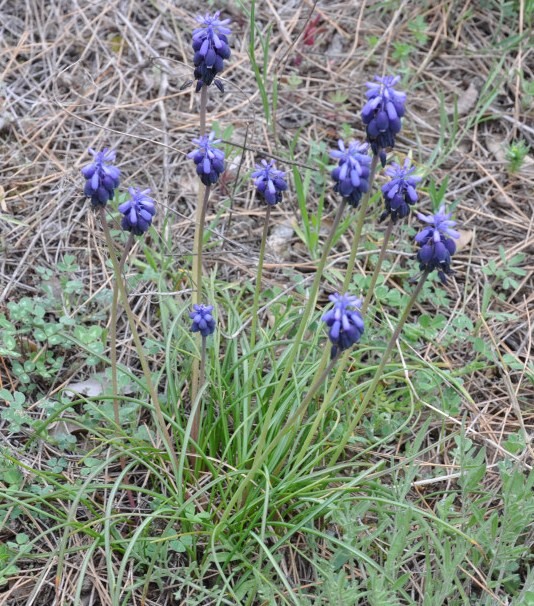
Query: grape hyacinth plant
[
  {"x": 138, "y": 211},
  {"x": 344, "y": 321},
  {"x": 209, "y": 161},
  {"x": 352, "y": 178},
  {"x": 437, "y": 243},
  {"x": 351, "y": 175},
  {"x": 102, "y": 177},
  {"x": 399, "y": 193},
  {"x": 210, "y": 43},
  {"x": 208, "y": 158},
  {"x": 263, "y": 401},
  {"x": 137, "y": 214},
  {"x": 203, "y": 320},
  {"x": 270, "y": 182},
  {"x": 382, "y": 114},
  {"x": 211, "y": 48}
]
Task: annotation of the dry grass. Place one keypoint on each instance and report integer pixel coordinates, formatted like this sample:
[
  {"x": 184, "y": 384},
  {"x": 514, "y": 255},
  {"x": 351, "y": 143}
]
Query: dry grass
[{"x": 75, "y": 75}]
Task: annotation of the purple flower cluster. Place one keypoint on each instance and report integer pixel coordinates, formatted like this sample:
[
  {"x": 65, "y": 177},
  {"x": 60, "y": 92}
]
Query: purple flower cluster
[
  {"x": 269, "y": 181},
  {"x": 382, "y": 114},
  {"x": 436, "y": 243},
  {"x": 209, "y": 159},
  {"x": 203, "y": 320},
  {"x": 399, "y": 193},
  {"x": 138, "y": 211},
  {"x": 345, "y": 322},
  {"x": 210, "y": 43},
  {"x": 102, "y": 178},
  {"x": 351, "y": 175}
]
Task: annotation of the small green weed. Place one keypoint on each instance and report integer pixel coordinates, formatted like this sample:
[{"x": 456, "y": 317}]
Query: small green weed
[
  {"x": 506, "y": 270},
  {"x": 516, "y": 154}
]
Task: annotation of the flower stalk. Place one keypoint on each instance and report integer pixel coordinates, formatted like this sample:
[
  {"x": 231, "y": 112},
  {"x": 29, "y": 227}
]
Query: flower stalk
[
  {"x": 378, "y": 267},
  {"x": 203, "y": 197},
  {"x": 380, "y": 370},
  {"x": 359, "y": 226},
  {"x": 203, "y": 323},
  {"x": 113, "y": 329},
  {"x": 297, "y": 418},
  {"x": 259, "y": 456},
  {"x": 138, "y": 345},
  {"x": 113, "y": 350},
  {"x": 197, "y": 412},
  {"x": 202, "y": 204},
  {"x": 270, "y": 185},
  {"x": 257, "y": 289}
]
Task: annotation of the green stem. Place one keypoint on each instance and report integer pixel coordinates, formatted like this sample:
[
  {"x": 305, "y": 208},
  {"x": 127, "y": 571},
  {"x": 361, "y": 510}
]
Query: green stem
[
  {"x": 203, "y": 363},
  {"x": 300, "y": 332},
  {"x": 380, "y": 370},
  {"x": 197, "y": 412},
  {"x": 203, "y": 196},
  {"x": 138, "y": 345},
  {"x": 113, "y": 330},
  {"x": 255, "y": 304},
  {"x": 337, "y": 377},
  {"x": 197, "y": 246},
  {"x": 319, "y": 416},
  {"x": 288, "y": 364},
  {"x": 320, "y": 379},
  {"x": 253, "y": 328},
  {"x": 350, "y": 268},
  {"x": 202, "y": 204},
  {"x": 378, "y": 267},
  {"x": 195, "y": 428},
  {"x": 113, "y": 352},
  {"x": 203, "y": 109},
  {"x": 359, "y": 226},
  {"x": 296, "y": 418}
]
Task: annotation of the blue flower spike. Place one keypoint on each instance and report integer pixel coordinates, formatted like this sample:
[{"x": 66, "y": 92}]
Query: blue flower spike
[
  {"x": 138, "y": 211},
  {"x": 102, "y": 178},
  {"x": 399, "y": 193},
  {"x": 436, "y": 243},
  {"x": 270, "y": 182},
  {"x": 351, "y": 175},
  {"x": 210, "y": 43},
  {"x": 382, "y": 114},
  {"x": 203, "y": 320},
  {"x": 344, "y": 321},
  {"x": 208, "y": 158}
]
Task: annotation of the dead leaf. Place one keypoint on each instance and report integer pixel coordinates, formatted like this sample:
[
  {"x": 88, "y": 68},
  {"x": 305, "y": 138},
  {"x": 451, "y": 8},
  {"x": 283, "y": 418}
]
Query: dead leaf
[
  {"x": 466, "y": 235},
  {"x": 95, "y": 385},
  {"x": 496, "y": 147},
  {"x": 91, "y": 387},
  {"x": 63, "y": 428},
  {"x": 3, "y": 205},
  {"x": 233, "y": 167},
  {"x": 466, "y": 100},
  {"x": 280, "y": 240},
  {"x": 335, "y": 48}
]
